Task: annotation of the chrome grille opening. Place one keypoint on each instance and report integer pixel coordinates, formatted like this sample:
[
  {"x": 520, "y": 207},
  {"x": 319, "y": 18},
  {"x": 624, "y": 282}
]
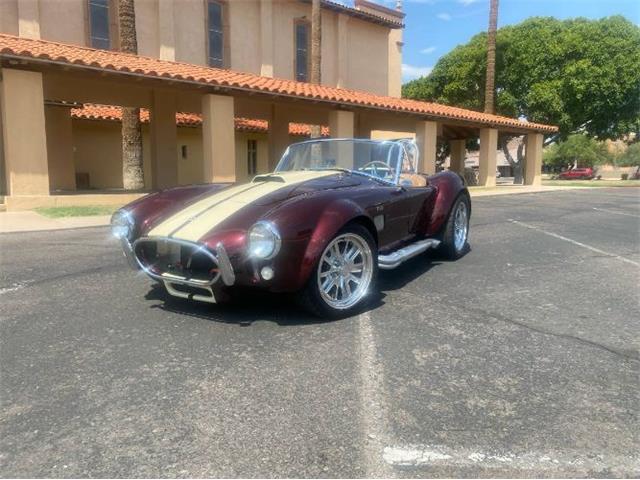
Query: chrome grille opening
[{"x": 169, "y": 259}]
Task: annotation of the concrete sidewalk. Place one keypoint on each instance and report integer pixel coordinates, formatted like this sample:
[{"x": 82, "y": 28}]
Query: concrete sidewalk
[{"x": 30, "y": 221}]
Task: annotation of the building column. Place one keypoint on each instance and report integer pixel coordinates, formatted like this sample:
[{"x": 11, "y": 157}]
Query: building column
[
  {"x": 427, "y": 141},
  {"x": 533, "y": 159},
  {"x": 164, "y": 139},
  {"x": 29, "y": 18},
  {"x": 341, "y": 124},
  {"x": 166, "y": 31},
  {"x": 458, "y": 150},
  {"x": 266, "y": 38},
  {"x": 62, "y": 171},
  {"x": 24, "y": 132},
  {"x": 342, "y": 52},
  {"x": 218, "y": 137},
  {"x": 278, "y": 136},
  {"x": 488, "y": 154}
]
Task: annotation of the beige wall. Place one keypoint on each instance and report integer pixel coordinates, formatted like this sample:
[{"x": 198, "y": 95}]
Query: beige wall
[
  {"x": 96, "y": 146},
  {"x": 355, "y": 54},
  {"x": 97, "y": 151},
  {"x": 63, "y": 21},
  {"x": 9, "y": 16}
]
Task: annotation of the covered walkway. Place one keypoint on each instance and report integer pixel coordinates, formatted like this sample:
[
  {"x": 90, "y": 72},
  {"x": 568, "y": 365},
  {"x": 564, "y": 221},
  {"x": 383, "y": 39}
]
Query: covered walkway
[{"x": 42, "y": 81}]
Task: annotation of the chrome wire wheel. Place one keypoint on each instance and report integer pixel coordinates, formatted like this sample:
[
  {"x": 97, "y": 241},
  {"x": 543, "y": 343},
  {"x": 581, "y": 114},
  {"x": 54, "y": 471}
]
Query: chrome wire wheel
[
  {"x": 345, "y": 271},
  {"x": 460, "y": 226}
]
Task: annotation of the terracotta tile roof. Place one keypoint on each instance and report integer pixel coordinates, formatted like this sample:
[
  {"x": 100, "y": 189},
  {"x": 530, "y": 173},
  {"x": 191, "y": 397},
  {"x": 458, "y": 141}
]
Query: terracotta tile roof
[
  {"x": 113, "y": 113},
  {"x": 72, "y": 56}
]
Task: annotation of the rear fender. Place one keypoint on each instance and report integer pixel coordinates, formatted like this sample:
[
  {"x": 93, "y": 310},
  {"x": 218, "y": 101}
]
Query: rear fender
[{"x": 448, "y": 186}]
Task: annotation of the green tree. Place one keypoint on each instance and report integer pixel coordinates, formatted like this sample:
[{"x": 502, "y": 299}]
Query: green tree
[
  {"x": 582, "y": 75},
  {"x": 579, "y": 150},
  {"x": 630, "y": 158}
]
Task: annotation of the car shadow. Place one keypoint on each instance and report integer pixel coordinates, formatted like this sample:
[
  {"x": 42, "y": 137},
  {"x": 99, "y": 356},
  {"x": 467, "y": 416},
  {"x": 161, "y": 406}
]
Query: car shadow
[
  {"x": 253, "y": 306},
  {"x": 282, "y": 309}
]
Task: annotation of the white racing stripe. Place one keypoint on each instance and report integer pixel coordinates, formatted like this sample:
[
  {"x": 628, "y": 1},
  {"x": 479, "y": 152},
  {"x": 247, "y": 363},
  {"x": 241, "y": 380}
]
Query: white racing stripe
[
  {"x": 616, "y": 213},
  {"x": 426, "y": 455},
  {"x": 196, "y": 220},
  {"x": 574, "y": 242}
]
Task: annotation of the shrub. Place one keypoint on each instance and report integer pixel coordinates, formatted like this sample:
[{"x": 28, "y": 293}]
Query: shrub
[{"x": 630, "y": 158}]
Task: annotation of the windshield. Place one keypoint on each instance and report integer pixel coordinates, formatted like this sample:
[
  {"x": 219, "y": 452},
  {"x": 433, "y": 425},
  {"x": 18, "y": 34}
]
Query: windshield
[{"x": 383, "y": 160}]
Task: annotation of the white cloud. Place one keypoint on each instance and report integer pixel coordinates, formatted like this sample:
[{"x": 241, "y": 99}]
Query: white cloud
[
  {"x": 411, "y": 72},
  {"x": 444, "y": 16},
  {"x": 428, "y": 50},
  {"x": 466, "y": 3}
]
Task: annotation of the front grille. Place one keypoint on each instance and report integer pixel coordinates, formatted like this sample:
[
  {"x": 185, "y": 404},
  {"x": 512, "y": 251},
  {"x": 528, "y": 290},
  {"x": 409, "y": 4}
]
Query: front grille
[{"x": 177, "y": 260}]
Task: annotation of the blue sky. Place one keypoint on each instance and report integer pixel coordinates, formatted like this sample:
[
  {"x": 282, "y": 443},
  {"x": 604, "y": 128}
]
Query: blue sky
[{"x": 433, "y": 27}]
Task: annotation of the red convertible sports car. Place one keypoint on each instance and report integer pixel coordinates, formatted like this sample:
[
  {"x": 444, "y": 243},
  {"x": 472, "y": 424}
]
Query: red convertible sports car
[{"x": 332, "y": 214}]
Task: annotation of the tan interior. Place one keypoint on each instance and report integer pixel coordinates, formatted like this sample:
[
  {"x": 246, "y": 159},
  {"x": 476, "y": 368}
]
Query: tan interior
[{"x": 415, "y": 179}]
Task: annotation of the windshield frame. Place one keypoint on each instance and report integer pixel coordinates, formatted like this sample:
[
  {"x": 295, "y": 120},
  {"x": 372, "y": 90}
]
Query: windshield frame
[{"x": 400, "y": 143}]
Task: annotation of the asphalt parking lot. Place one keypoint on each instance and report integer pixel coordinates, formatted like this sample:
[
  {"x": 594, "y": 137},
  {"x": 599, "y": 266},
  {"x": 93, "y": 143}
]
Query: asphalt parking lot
[{"x": 520, "y": 359}]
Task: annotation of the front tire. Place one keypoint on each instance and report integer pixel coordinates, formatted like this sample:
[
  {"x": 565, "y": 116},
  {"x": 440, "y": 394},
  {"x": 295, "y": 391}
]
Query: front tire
[
  {"x": 454, "y": 237},
  {"x": 345, "y": 275}
]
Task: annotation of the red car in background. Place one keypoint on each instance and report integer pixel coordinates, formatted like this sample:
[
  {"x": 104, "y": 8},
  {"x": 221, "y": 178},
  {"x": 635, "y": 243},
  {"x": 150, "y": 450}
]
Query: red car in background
[{"x": 577, "y": 174}]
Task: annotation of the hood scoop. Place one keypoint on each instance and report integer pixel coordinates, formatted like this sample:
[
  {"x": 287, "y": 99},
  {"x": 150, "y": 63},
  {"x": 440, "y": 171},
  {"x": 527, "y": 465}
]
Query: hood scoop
[{"x": 271, "y": 177}]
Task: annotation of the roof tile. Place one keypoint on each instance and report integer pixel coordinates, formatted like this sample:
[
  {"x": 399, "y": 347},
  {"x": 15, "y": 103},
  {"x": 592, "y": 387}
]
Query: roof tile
[
  {"x": 92, "y": 111},
  {"x": 25, "y": 49}
]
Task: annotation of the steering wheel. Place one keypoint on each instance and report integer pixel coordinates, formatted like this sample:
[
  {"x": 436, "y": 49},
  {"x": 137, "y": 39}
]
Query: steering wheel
[{"x": 374, "y": 166}]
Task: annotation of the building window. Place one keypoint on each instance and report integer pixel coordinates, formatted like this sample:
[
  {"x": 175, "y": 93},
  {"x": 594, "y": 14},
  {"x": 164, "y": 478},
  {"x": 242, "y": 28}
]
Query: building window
[
  {"x": 183, "y": 151},
  {"x": 215, "y": 33},
  {"x": 252, "y": 157},
  {"x": 302, "y": 34},
  {"x": 99, "y": 20}
]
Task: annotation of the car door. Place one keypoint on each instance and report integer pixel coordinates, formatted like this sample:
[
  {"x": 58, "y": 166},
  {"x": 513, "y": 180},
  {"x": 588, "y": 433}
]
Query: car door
[{"x": 399, "y": 208}]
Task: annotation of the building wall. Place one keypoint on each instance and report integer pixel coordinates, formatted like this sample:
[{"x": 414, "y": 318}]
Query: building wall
[
  {"x": 370, "y": 65},
  {"x": 97, "y": 151}
]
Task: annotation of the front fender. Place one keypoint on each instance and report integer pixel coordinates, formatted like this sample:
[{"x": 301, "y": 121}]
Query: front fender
[{"x": 305, "y": 240}]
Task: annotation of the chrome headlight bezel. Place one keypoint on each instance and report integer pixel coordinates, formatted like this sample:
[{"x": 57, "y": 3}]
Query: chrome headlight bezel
[
  {"x": 122, "y": 224},
  {"x": 264, "y": 240}
]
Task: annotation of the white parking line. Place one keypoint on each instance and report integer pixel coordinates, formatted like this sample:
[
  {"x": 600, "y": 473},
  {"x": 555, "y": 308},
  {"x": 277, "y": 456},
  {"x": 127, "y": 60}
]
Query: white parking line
[
  {"x": 579, "y": 244},
  {"x": 12, "y": 288},
  {"x": 616, "y": 213},
  {"x": 374, "y": 423},
  {"x": 424, "y": 455}
]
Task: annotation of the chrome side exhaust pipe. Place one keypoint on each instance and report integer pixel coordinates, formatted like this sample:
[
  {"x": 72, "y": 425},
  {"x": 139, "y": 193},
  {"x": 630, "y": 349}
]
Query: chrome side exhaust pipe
[{"x": 398, "y": 257}]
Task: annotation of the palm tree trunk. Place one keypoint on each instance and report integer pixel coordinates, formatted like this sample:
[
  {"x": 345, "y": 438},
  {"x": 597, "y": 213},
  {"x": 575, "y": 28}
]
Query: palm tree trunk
[
  {"x": 489, "y": 90},
  {"x": 316, "y": 54},
  {"x": 132, "y": 171}
]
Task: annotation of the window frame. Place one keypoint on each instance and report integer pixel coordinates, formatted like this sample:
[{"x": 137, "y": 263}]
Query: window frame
[
  {"x": 113, "y": 32},
  {"x": 224, "y": 15},
  {"x": 252, "y": 156},
  {"x": 301, "y": 21}
]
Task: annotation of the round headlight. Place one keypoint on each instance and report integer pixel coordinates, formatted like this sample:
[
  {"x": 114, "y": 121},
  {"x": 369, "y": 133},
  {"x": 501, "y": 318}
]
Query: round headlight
[
  {"x": 121, "y": 224},
  {"x": 264, "y": 240}
]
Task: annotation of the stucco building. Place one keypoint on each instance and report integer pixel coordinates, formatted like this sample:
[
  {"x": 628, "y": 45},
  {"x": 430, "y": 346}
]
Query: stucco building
[{"x": 223, "y": 88}]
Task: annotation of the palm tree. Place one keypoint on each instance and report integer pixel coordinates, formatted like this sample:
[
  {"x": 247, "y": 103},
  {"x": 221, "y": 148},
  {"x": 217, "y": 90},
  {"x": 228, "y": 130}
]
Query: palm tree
[
  {"x": 316, "y": 53},
  {"x": 489, "y": 90},
  {"x": 132, "y": 171}
]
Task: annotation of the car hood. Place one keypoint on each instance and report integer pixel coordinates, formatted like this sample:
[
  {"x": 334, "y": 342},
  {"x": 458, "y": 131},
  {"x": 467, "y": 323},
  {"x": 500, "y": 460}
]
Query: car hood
[{"x": 251, "y": 200}]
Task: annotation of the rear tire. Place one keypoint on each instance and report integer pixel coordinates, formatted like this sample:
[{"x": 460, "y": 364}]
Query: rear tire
[
  {"x": 345, "y": 275},
  {"x": 456, "y": 231}
]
